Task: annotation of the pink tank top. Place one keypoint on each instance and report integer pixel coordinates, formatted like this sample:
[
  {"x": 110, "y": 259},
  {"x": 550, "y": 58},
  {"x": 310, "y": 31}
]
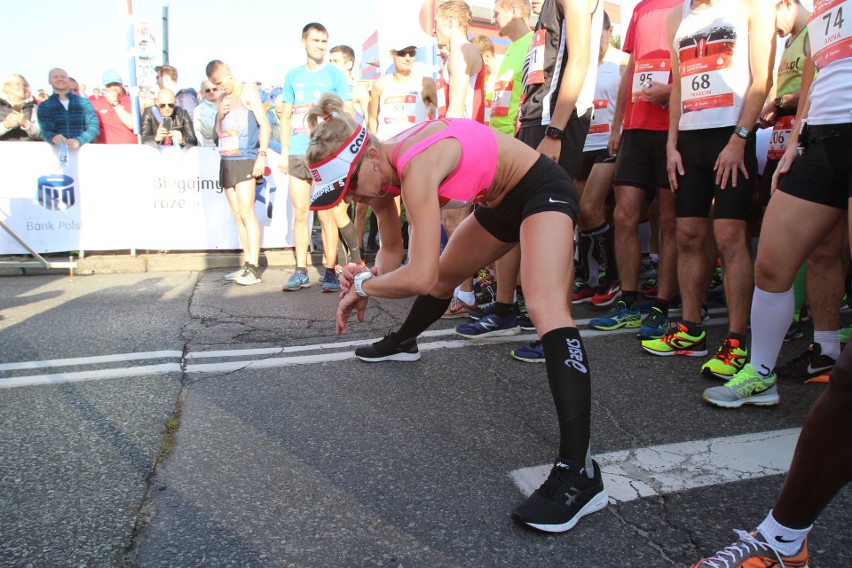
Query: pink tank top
[{"x": 475, "y": 171}]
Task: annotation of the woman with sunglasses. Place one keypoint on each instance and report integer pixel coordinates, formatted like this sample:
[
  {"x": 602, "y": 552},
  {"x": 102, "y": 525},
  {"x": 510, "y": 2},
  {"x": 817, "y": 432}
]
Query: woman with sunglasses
[{"x": 523, "y": 197}]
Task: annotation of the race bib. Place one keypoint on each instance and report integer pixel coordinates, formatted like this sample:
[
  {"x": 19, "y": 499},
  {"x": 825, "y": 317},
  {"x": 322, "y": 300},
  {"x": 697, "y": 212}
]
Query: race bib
[
  {"x": 780, "y": 134},
  {"x": 502, "y": 98},
  {"x": 601, "y": 117},
  {"x": 535, "y": 73},
  {"x": 229, "y": 143},
  {"x": 703, "y": 84},
  {"x": 830, "y": 32},
  {"x": 297, "y": 123},
  {"x": 398, "y": 109},
  {"x": 653, "y": 70}
]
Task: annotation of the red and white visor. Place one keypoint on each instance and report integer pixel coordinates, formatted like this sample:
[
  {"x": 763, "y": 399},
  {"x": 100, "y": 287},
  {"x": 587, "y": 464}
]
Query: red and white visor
[{"x": 333, "y": 175}]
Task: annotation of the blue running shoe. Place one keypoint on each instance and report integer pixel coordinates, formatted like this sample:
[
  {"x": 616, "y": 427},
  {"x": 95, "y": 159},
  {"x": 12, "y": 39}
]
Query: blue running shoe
[
  {"x": 619, "y": 316},
  {"x": 490, "y": 325},
  {"x": 654, "y": 326},
  {"x": 532, "y": 353},
  {"x": 298, "y": 280},
  {"x": 331, "y": 283}
]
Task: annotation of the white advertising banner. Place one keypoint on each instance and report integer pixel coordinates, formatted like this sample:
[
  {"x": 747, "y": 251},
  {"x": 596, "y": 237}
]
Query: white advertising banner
[{"x": 119, "y": 197}]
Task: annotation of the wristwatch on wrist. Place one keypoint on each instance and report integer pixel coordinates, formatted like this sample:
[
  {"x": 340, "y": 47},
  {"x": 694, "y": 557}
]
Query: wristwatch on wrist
[
  {"x": 360, "y": 278},
  {"x": 115, "y": 104},
  {"x": 553, "y": 132},
  {"x": 742, "y": 132},
  {"x": 778, "y": 102}
]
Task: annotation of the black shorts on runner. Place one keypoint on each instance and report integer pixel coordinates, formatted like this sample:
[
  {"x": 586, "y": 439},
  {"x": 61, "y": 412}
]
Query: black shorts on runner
[
  {"x": 641, "y": 160},
  {"x": 766, "y": 181},
  {"x": 588, "y": 161},
  {"x": 299, "y": 168},
  {"x": 545, "y": 187},
  {"x": 572, "y": 143},
  {"x": 823, "y": 173},
  {"x": 697, "y": 188},
  {"x": 232, "y": 172}
]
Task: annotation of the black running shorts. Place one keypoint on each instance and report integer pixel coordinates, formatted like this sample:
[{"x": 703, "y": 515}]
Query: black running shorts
[
  {"x": 697, "y": 188},
  {"x": 823, "y": 173},
  {"x": 588, "y": 161},
  {"x": 545, "y": 187},
  {"x": 572, "y": 143},
  {"x": 232, "y": 172},
  {"x": 641, "y": 160}
]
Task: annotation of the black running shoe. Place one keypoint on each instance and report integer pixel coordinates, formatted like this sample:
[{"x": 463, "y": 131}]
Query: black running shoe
[
  {"x": 387, "y": 349},
  {"x": 525, "y": 322},
  {"x": 809, "y": 367},
  {"x": 562, "y": 500}
]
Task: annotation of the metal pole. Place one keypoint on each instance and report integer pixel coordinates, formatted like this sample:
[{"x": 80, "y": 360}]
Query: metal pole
[{"x": 166, "y": 35}]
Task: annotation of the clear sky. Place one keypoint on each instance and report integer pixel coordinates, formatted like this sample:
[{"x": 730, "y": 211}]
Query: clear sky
[{"x": 258, "y": 39}]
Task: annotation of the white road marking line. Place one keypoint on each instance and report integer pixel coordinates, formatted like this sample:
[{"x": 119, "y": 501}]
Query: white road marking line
[
  {"x": 144, "y": 355},
  {"x": 98, "y": 375},
  {"x": 657, "y": 470},
  {"x": 228, "y": 367}
]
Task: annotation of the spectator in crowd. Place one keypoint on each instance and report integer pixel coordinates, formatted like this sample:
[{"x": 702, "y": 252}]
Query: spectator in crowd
[
  {"x": 242, "y": 137},
  {"x": 114, "y": 112},
  {"x": 96, "y": 92},
  {"x": 167, "y": 125},
  {"x": 41, "y": 96},
  {"x": 167, "y": 77},
  {"x": 303, "y": 86},
  {"x": 75, "y": 87},
  {"x": 204, "y": 115},
  {"x": 82, "y": 92},
  {"x": 66, "y": 117},
  {"x": 17, "y": 110}
]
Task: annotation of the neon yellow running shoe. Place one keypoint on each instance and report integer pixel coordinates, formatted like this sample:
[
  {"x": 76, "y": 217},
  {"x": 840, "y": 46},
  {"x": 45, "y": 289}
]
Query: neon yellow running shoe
[
  {"x": 727, "y": 362},
  {"x": 677, "y": 342}
]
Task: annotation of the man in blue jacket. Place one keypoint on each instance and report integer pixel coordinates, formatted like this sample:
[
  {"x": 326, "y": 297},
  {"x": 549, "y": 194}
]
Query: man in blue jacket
[{"x": 66, "y": 117}]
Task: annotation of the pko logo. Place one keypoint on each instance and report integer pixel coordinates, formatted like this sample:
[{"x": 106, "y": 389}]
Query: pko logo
[{"x": 56, "y": 192}]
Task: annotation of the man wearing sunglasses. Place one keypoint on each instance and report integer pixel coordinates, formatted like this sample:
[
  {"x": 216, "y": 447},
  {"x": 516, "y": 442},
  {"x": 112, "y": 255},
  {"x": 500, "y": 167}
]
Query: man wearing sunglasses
[
  {"x": 163, "y": 124},
  {"x": 204, "y": 115}
]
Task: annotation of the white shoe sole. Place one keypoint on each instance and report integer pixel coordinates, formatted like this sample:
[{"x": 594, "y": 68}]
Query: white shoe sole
[
  {"x": 765, "y": 400},
  {"x": 248, "y": 282},
  {"x": 599, "y": 502},
  {"x": 685, "y": 353},
  {"x": 496, "y": 333},
  {"x": 394, "y": 357}
]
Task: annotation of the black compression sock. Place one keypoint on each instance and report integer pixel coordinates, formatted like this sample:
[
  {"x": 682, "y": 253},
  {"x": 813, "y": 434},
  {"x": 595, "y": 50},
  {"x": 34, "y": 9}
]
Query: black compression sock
[
  {"x": 425, "y": 311},
  {"x": 568, "y": 377}
]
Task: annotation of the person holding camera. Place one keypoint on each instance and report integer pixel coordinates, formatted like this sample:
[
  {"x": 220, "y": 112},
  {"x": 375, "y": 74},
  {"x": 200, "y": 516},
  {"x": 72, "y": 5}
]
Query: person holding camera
[{"x": 163, "y": 124}]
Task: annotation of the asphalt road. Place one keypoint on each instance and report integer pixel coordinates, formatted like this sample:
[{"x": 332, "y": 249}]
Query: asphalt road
[{"x": 289, "y": 452}]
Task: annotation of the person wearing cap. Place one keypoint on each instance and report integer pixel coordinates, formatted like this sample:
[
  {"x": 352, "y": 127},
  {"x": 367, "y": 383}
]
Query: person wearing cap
[
  {"x": 523, "y": 197},
  {"x": 114, "y": 114}
]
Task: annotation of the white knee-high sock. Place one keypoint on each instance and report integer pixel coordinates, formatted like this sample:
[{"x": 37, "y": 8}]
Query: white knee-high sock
[
  {"x": 829, "y": 342},
  {"x": 771, "y": 315}
]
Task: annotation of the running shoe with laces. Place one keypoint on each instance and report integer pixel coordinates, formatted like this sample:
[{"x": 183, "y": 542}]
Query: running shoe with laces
[
  {"x": 606, "y": 294},
  {"x": 490, "y": 325},
  {"x": 727, "y": 361},
  {"x": 677, "y": 341},
  {"x": 481, "y": 311},
  {"x": 457, "y": 309},
  {"x": 298, "y": 280},
  {"x": 809, "y": 367},
  {"x": 389, "y": 349},
  {"x": 617, "y": 317},
  {"x": 563, "y": 499},
  {"x": 751, "y": 550},
  {"x": 331, "y": 283},
  {"x": 654, "y": 326},
  {"x": 249, "y": 276},
  {"x": 582, "y": 293},
  {"x": 232, "y": 276},
  {"x": 532, "y": 353},
  {"x": 746, "y": 387}
]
